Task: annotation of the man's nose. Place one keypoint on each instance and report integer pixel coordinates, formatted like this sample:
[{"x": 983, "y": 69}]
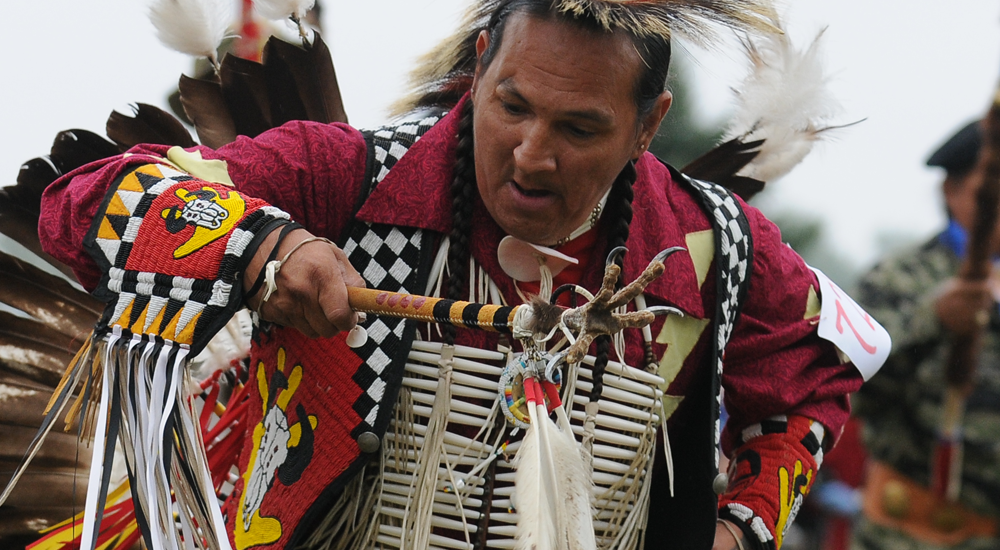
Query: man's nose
[{"x": 536, "y": 152}]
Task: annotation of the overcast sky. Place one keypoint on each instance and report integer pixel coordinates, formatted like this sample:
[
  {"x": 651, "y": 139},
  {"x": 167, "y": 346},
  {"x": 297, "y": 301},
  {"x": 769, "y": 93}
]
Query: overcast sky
[{"x": 914, "y": 70}]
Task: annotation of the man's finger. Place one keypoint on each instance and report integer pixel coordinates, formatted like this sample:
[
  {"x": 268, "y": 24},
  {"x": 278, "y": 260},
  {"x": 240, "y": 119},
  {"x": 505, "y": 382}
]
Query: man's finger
[{"x": 334, "y": 305}]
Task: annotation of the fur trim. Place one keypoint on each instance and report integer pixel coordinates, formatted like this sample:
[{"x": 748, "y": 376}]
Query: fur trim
[{"x": 445, "y": 73}]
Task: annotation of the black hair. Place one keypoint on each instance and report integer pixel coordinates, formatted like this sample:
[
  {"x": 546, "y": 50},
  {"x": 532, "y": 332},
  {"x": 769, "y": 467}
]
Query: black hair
[
  {"x": 463, "y": 189},
  {"x": 617, "y": 220},
  {"x": 654, "y": 49},
  {"x": 617, "y": 217}
]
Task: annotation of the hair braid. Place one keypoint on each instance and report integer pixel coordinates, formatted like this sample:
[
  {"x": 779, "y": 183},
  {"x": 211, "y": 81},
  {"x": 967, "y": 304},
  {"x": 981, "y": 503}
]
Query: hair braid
[
  {"x": 463, "y": 187},
  {"x": 618, "y": 215}
]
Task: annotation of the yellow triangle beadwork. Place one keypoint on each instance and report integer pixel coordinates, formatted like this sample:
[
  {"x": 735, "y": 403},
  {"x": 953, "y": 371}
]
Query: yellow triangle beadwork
[
  {"x": 116, "y": 207},
  {"x": 106, "y": 231}
]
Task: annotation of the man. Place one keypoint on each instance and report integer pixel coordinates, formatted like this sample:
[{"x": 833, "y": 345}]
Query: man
[
  {"x": 547, "y": 148},
  {"x": 924, "y": 305}
]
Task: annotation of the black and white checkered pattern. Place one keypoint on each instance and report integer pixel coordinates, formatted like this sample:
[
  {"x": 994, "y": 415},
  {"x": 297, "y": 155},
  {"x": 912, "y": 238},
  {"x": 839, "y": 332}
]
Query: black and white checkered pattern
[
  {"x": 392, "y": 142},
  {"x": 734, "y": 264},
  {"x": 386, "y": 256}
]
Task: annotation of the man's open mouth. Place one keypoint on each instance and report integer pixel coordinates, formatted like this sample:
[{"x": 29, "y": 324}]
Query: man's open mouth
[{"x": 532, "y": 192}]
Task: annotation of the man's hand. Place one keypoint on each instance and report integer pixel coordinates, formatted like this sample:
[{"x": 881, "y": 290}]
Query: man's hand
[
  {"x": 963, "y": 306},
  {"x": 311, "y": 293}
]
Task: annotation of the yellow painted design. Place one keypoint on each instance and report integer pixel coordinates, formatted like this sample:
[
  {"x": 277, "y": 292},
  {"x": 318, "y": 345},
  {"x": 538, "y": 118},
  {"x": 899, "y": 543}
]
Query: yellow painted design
[
  {"x": 296, "y": 430},
  {"x": 789, "y": 495},
  {"x": 680, "y": 334},
  {"x": 187, "y": 335},
  {"x": 214, "y": 171},
  {"x": 701, "y": 247},
  {"x": 670, "y": 404},
  {"x": 116, "y": 207},
  {"x": 264, "y": 530},
  {"x": 233, "y": 206},
  {"x": 293, "y": 384},
  {"x": 813, "y": 305},
  {"x": 105, "y": 231},
  {"x": 262, "y": 379}
]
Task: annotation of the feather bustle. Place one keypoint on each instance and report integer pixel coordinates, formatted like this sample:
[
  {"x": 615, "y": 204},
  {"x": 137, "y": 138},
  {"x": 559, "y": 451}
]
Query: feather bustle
[
  {"x": 206, "y": 107},
  {"x": 147, "y": 124}
]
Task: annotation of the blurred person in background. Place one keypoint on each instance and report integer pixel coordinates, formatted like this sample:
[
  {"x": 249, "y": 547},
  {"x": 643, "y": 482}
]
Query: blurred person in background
[{"x": 925, "y": 305}]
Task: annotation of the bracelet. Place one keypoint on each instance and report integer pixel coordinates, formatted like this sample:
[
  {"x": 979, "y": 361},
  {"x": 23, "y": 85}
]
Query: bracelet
[
  {"x": 286, "y": 228},
  {"x": 272, "y": 268},
  {"x": 732, "y": 531}
]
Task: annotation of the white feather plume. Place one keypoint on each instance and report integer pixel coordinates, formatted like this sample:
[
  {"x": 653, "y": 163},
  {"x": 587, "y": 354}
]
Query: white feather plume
[
  {"x": 283, "y": 9},
  {"x": 577, "y": 485},
  {"x": 784, "y": 101},
  {"x": 552, "y": 486},
  {"x": 534, "y": 487},
  {"x": 194, "y": 27}
]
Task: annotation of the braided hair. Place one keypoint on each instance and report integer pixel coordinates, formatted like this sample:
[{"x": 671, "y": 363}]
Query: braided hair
[
  {"x": 463, "y": 188},
  {"x": 618, "y": 218}
]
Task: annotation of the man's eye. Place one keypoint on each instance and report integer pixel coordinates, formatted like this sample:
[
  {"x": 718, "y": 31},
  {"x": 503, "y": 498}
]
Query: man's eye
[
  {"x": 579, "y": 132},
  {"x": 512, "y": 108}
]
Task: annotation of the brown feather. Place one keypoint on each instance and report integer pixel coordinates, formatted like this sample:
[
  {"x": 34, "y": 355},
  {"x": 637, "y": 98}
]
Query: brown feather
[
  {"x": 148, "y": 124},
  {"x": 48, "y": 298},
  {"x": 33, "y": 350},
  {"x": 72, "y": 149},
  {"x": 246, "y": 94},
  {"x": 721, "y": 163},
  {"x": 317, "y": 80},
  {"x": 206, "y": 107},
  {"x": 45, "y": 493},
  {"x": 282, "y": 89}
]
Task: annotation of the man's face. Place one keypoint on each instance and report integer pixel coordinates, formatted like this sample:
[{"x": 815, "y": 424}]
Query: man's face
[{"x": 555, "y": 122}]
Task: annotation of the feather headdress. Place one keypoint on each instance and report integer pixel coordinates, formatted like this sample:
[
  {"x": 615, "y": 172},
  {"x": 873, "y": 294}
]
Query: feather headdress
[{"x": 444, "y": 74}]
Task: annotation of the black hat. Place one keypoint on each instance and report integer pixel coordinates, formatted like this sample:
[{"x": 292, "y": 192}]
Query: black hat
[{"x": 959, "y": 153}]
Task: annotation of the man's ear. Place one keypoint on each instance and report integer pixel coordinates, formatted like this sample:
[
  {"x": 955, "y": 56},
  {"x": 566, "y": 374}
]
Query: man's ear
[
  {"x": 482, "y": 42},
  {"x": 651, "y": 122}
]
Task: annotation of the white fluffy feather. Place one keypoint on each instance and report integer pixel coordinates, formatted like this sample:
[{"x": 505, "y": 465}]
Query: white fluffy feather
[
  {"x": 534, "y": 488},
  {"x": 283, "y": 9},
  {"x": 194, "y": 27},
  {"x": 552, "y": 487},
  {"x": 784, "y": 100}
]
